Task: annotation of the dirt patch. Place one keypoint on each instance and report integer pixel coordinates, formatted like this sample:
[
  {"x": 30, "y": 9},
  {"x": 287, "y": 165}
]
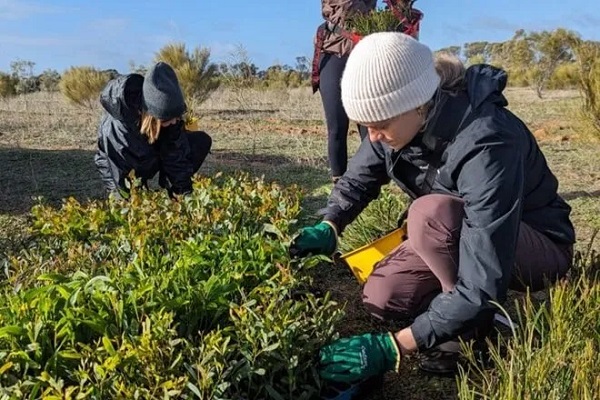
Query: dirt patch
[
  {"x": 267, "y": 125},
  {"x": 411, "y": 383},
  {"x": 553, "y": 130}
]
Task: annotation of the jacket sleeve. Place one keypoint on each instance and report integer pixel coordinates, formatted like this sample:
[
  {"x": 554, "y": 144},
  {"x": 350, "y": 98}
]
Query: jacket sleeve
[
  {"x": 360, "y": 185},
  {"x": 490, "y": 182},
  {"x": 175, "y": 158},
  {"x": 108, "y": 173},
  {"x": 336, "y": 11},
  {"x": 103, "y": 166}
]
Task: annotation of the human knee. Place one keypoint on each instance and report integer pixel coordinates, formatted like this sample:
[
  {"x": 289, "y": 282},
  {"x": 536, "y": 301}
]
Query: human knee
[
  {"x": 200, "y": 143},
  {"x": 433, "y": 219},
  {"x": 387, "y": 301},
  {"x": 201, "y": 140}
]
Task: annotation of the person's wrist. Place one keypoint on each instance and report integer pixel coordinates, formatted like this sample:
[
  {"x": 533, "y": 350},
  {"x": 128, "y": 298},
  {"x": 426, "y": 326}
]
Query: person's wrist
[
  {"x": 393, "y": 352},
  {"x": 333, "y": 240},
  {"x": 333, "y": 226},
  {"x": 405, "y": 341}
]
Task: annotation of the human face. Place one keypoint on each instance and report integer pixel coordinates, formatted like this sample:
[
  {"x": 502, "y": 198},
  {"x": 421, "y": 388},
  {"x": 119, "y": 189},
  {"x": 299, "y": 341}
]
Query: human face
[
  {"x": 398, "y": 131},
  {"x": 170, "y": 122}
]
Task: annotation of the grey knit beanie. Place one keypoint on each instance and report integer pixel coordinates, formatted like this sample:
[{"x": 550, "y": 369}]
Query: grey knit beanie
[
  {"x": 387, "y": 74},
  {"x": 162, "y": 94}
]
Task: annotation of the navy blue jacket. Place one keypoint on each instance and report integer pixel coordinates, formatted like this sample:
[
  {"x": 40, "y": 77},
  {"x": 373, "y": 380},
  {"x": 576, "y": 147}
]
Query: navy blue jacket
[
  {"x": 122, "y": 148},
  {"x": 485, "y": 155}
]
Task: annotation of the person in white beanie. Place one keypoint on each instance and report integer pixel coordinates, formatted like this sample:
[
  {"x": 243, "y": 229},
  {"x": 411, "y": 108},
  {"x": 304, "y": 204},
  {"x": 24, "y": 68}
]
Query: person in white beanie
[{"x": 485, "y": 213}]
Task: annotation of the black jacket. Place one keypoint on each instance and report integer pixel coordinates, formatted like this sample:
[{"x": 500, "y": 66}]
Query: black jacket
[
  {"x": 484, "y": 154},
  {"x": 122, "y": 148}
]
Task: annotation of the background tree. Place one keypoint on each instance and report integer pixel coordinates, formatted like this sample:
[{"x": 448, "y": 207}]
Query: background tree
[
  {"x": 137, "y": 68},
  {"x": 303, "y": 66},
  {"x": 475, "y": 52},
  {"x": 537, "y": 55},
  {"x": 551, "y": 49},
  {"x": 49, "y": 80},
  {"x": 22, "y": 72},
  {"x": 244, "y": 73},
  {"x": 454, "y": 50}
]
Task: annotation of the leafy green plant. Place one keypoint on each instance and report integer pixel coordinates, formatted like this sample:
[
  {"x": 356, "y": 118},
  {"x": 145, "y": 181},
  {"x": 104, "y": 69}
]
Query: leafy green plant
[{"x": 154, "y": 298}]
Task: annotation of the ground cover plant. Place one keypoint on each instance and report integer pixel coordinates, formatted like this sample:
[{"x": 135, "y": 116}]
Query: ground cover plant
[{"x": 158, "y": 299}]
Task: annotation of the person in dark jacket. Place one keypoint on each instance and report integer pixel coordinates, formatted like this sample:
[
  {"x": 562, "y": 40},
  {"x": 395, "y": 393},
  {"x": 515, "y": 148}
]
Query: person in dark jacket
[
  {"x": 485, "y": 216},
  {"x": 142, "y": 130},
  {"x": 331, "y": 56}
]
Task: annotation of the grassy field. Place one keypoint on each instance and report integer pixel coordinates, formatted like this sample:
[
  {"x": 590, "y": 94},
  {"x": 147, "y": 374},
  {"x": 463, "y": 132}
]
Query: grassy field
[{"x": 47, "y": 147}]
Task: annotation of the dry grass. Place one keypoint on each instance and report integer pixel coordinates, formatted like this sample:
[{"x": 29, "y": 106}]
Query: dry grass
[{"x": 47, "y": 145}]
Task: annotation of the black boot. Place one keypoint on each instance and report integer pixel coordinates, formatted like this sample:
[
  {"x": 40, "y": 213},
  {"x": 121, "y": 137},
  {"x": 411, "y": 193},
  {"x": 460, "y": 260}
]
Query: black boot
[{"x": 444, "y": 359}]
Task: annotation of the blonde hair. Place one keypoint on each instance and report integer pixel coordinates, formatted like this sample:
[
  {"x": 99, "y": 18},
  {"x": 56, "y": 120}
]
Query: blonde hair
[
  {"x": 451, "y": 71},
  {"x": 150, "y": 126},
  {"x": 452, "y": 79}
]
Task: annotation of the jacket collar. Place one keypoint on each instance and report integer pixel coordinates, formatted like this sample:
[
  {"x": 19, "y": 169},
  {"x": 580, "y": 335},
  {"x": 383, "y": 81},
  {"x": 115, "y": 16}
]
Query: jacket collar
[{"x": 451, "y": 111}]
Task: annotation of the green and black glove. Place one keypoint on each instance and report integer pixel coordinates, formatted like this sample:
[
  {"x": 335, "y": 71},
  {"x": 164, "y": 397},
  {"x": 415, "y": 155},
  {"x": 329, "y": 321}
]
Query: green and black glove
[
  {"x": 320, "y": 239},
  {"x": 359, "y": 357}
]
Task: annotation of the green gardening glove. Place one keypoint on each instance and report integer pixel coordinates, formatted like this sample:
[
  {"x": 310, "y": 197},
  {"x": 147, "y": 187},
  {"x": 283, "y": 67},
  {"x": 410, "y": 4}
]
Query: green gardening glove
[
  {"x": 359, "y": 357},
  {"x": 319, "y": 239}
]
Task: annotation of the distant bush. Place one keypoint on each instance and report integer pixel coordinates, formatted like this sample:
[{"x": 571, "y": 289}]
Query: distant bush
[
  {"x": 82, "y": 85},
  {"x": 7, "y": 85},
  {"x": 566, "y": 76},
  {"x": 49, "y": 80},
  {"x": 588, "y": 58},
  {"x": 27, "y": 85},
  {"x": 196, "y": 74},
  {"x": 280, "y": 77}
]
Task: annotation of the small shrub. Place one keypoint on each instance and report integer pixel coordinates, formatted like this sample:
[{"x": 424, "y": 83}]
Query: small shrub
[
  {"x": 157, "y": 299},
  {"x": 49, "y": 80},
  {"x": 82, "y": 85},
  {"x": 554, "y": 352},
  {"x": 588, "y": 59},
  {"x": 7, "y": 85}
]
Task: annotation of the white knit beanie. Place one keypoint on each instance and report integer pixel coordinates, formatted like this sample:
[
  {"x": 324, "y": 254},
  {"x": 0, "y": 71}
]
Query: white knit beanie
[{"x": 387, "y": 74}]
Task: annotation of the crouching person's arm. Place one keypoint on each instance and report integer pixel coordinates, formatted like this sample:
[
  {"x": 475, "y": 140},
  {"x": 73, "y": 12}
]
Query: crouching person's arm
[{"x": 174, "y": 151}]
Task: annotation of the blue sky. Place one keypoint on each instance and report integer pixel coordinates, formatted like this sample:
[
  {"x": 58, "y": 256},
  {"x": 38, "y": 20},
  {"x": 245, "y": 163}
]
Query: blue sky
[{"x": 110, "y": 33}]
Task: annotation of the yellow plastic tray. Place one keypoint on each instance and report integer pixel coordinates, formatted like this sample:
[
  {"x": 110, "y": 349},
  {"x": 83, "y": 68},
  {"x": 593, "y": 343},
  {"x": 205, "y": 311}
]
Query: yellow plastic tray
[{"x": 362, "y": 260}]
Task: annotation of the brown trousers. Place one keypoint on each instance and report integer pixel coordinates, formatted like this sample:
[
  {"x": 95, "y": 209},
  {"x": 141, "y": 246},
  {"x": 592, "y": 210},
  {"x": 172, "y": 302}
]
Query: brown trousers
[{"x": 404, "y": 283}]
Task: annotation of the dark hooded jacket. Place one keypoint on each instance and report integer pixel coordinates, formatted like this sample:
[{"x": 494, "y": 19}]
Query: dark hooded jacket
[
  {"x": 480, "y": 151},
  {"x": 122, "y": 148}
]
